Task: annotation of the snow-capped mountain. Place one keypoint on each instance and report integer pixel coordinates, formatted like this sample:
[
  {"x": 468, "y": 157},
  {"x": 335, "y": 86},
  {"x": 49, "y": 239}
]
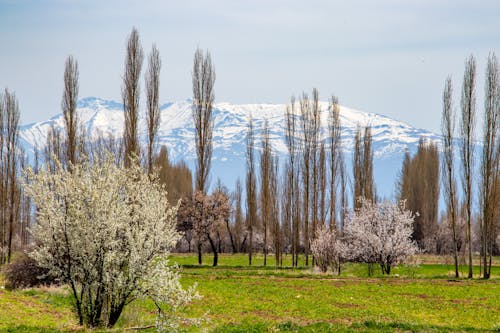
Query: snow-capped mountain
[{"x": 390, "y": 137}]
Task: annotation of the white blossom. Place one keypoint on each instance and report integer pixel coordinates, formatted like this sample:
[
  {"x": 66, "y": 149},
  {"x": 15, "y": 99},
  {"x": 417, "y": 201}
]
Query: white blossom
[
  {"x": 326, "y": 248},
  {"x": 380, "y": 233},
  {"x": 163, "y": 286},
  {"x": 101, "y": 228}
]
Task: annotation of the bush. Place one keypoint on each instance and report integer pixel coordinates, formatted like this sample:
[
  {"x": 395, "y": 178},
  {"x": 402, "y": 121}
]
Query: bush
[
  {"x": 380, "y": 233},
  {"x": 326, "y": 249},
  {"x": 24, "y": 272}
]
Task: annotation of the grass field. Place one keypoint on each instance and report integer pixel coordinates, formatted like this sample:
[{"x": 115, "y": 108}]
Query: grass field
[{"x": 238, "y": 298}]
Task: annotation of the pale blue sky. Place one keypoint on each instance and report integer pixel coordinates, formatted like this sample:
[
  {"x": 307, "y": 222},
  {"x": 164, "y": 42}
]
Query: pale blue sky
[{"x": 388, "y": 57}]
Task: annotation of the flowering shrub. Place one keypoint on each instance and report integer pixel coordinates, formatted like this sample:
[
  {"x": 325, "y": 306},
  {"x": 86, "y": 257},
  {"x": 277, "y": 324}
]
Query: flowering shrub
[
  {"x": 326, "y": 248},
  {"x": 380, "y": 233},
  {"x": 104, "y": 229}
]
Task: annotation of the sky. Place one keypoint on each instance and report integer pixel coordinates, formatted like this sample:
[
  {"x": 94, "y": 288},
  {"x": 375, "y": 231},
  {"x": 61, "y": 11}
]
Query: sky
[{"x": 386, "y": 57}]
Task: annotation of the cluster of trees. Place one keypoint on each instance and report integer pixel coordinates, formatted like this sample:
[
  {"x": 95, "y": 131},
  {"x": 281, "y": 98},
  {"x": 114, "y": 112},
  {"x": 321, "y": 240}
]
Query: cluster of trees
[
  {"x": 10, "y": 160},
  {"x": 460, "y": 205},
  {"x": 419, "y": 187},
  {"x": 287, "y": 202},
  {"x": 104, "y": 222},
  {"x": 375, "y": 233},
  {"x": 297, "y": 207}
]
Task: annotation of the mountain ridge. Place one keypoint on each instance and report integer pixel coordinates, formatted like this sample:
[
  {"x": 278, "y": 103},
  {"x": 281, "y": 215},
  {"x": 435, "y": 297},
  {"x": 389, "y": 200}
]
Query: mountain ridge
[{"x": 391, "y": 138}]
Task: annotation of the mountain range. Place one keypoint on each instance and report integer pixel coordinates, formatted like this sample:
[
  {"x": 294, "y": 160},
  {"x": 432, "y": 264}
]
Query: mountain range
[{"x": 391, "y": 138}]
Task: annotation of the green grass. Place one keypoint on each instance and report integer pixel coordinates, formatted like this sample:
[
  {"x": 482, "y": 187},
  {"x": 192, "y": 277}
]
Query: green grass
[
  {"x": 239, "y": 298},
  {"x": 432, "y": 267},
  {"x": 36, "y": 310}
]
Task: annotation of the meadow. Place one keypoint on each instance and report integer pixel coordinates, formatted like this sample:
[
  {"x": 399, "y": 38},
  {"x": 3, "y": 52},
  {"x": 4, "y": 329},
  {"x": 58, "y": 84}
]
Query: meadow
[{"x": 422, "y": 297}]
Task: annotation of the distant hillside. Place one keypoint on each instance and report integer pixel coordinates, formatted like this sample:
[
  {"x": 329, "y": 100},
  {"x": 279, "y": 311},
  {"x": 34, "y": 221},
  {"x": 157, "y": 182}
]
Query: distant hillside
[{"x": 390, "y": 137}]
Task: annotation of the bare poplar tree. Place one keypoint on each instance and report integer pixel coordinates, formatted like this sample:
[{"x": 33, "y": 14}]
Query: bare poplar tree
[
  {"x": 25, "y": 206},
  {"x": 238, "y": 217},
  {"x": 343, "y": 190},
  {"x": 130, "y": 95},
  {"x": 448, "y": 174},
  {"x": 266, "y": 169},
  {"x": 357, "y": 165},
  {"x": 286, "y": 211},
  {"x": 203, "y": 77},
  {"x": 489, "y": 197},
  {"x": 12, "y": 133},
  {"x": 69, "y": 104},
  {"x": 315, "y": 144},
  {"x": 363, "y": 167},
  {"x": 292, "y": 170},
  {"x": 369, "y": 184},
  {"x": 152, "y": 83},
  {"x": 309, "y": 121},
  {"x": 305, "y": 114},
  {"x": 251, "y": 183},
  {"x": 334, "y": 129},
  {"x": 468, "y": 104},
  {"x": 275, "y": 211},
  {"x": 322, "y": 181}
]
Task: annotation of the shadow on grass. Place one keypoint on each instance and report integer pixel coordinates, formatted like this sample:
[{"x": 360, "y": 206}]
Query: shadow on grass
[
  {"x": 247, "y": 268},
  {"x": 33, "y": 329},
  {"x": 28, "y": 329},
  {"x": 367, "y": 326}
]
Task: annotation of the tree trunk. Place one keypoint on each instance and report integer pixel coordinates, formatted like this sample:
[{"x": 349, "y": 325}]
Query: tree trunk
[
  {"x": 200, "y": 260},
  {"x": 233, "y": 245},
  {"x": 115, "y": 314},
  {"x": 455, "y": 258},
  {"x": 250, "y": 245},
  {"x": 214, "y": 250}
]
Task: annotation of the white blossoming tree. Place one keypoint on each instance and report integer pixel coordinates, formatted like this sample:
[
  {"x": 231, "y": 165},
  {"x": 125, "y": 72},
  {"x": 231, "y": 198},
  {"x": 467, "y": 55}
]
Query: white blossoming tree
[
  {"x": 327, "y": 248},
  {"x": 106, "y": 231},
  {"x": 380, "y": 234}
]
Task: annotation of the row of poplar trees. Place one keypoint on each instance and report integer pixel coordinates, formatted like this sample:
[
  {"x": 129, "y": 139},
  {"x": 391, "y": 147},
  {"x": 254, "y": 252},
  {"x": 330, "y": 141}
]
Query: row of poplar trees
[
  {"x": 286, "y": 201},
  {"x": 71, "y": 145},
  {"x": 486, "y": 183},
  {"x": 10, "y": 159},
  {"x": 284, "y": 208},
  {"x": 289, "y": 202}
]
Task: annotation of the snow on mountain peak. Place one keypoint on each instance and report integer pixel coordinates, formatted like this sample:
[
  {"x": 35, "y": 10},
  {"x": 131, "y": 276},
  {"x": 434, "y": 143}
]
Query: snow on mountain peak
[{"x": 391, "y": 138}]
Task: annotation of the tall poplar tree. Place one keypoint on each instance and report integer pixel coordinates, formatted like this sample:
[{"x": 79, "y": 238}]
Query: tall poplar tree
[
  {"x": 131, "y": 94},
  {"x": 448, "y": 174},
  {"x": 152, "y": 83},
  {"x": 266, "y": 170},
  {"x": 69, "y": 104},
  {"x": 203, "y": 79},
  {"x": 467, "y": 123},
  {"x": 490, "y": 160},
  {"x": 251, "y": 184}
]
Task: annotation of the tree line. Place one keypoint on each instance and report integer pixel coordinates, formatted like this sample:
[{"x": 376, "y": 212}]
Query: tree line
[
  {"x": 288, "y": 202},
  {"x": 281, "y": 207}
]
